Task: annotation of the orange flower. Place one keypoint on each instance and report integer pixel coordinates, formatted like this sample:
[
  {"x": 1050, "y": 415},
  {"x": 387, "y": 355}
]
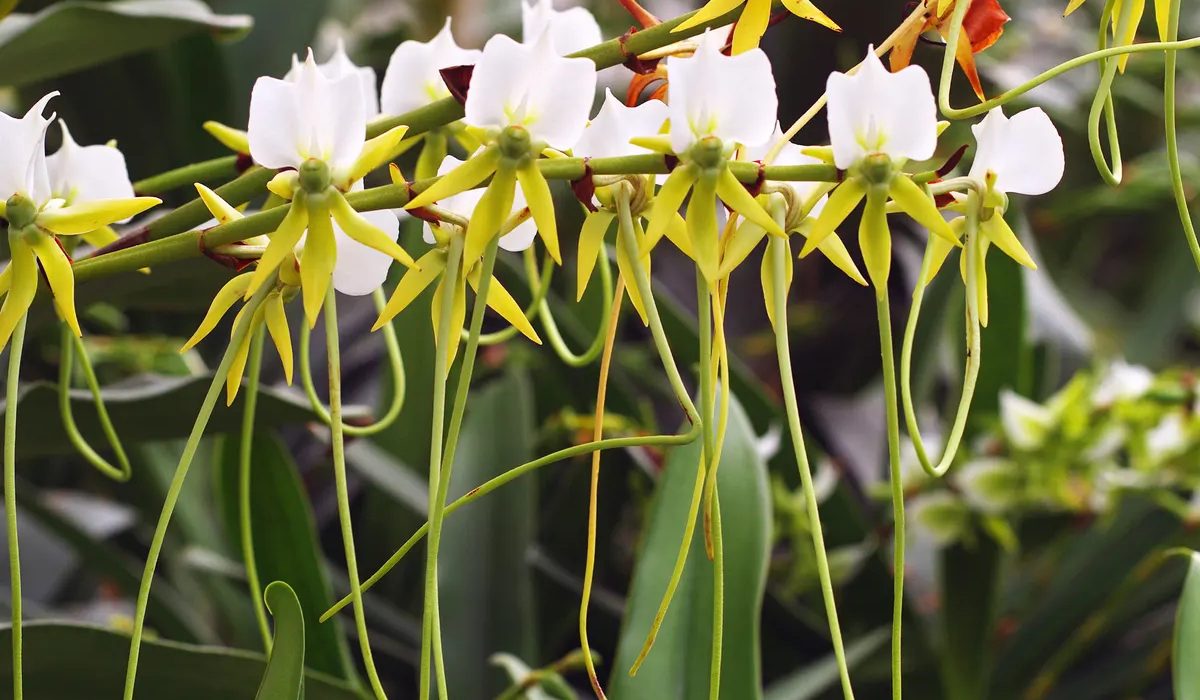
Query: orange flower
[{"x": 982, "y": 27}]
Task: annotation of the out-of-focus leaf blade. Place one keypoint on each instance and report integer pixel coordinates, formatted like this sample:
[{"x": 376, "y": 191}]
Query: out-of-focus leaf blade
[
  {"x": 810, "y": 681},
  {"x": 678, "y": 665},
  {"x": 72, "y": 661},
  {"x": 1186, "y": 651},
  {"x": 69, "y": 36},
  {"x": 284, "y": 676}
]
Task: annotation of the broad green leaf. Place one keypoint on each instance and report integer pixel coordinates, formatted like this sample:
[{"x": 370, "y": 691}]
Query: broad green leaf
[
  {"x": 678, "y": 665},
  {"x": 284, "y": 676},
  {"x": 70, "y": 36},
  {"x": 72, "y": 661},
  {"x": 146, "y": 408},
  {"x": 285, "y": 541},
  {"x": 970, "y": 582},
  {"x": 487, "y": 592},
  {"x": 1186, "y": 650}
]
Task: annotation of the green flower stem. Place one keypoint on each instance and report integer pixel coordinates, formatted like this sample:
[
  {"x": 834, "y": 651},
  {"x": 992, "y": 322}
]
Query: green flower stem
[
  {"x": 538, "y": 294},
  {"x": 713, "y": 509},
  {"x": 1181, "y": 200},
  {"x": 780, "y": 259},
  {"x": 677, "y": 386},
  {"x": 338, "y": 443},
  {"x": 245, "y": 458},
  {"x": 626, "y": 233},
  {"x": 589, "y": 567},
  {"x": 176, "y": 486},
  {"x": 960, "y": 11},
  {"x": 888, "y": 356},
  {"x": 440, "y": 371},
  {"x": 551, "y": 326},
  {"x": 1102, "y": 103},
  {"x": 974, "y": 348},
  {"x": 395, "y": 363},
  {"x": 70, "y": 344},
  {"x": 204, "y": 171},
  {"x": 186, "y": 243},
  {"x": 12, "y": 398}
]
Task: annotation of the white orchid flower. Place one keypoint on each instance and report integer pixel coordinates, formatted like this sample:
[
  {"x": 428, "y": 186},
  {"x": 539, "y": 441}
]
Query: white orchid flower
[
  {"x": 81, "y": 174},
  {"x": 570, "y": 30},
  {"x": 875, "y": 111},
  {"x": 413, "y": 78},
  {"x": 531, "y": 86},
  {"x": 1021, "y": 155},
  {"x": 731, "y": 98},
  {"x": 36, "y": 213},
  {"x": 338, "y": 66},
  {"x": 464, "y": 204},
  {"x": 608, "y": 135}
]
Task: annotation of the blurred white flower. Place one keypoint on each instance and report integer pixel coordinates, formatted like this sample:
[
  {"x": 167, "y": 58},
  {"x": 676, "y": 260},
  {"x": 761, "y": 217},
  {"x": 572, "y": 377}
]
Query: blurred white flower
[
  {"x": 609, "y": 133},
  {"x": 570, "y": 30},
  {"x": 1122, "y": 382},
  {"x": 1025, "y": 422},
  {"x": 413, "y": 78}
]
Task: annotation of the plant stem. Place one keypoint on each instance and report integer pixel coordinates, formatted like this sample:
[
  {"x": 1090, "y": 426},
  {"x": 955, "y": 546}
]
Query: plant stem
[
  {"x": 204, "y": 171},
  {"x": 71, "y": 344},
  {"x": 780, "y": 258},
  {"x": 445, "y": 334},
  {"x": 883, "y": 311},
  {"x": 1102, "y": 103},
  {"x": 245, "y": 455},
  {"x": 537, "y": 294},
  {"x": 1181, "y": 199},
  {"x": 589, "y": 567},
  {"x": 11, "y": 401},
  {"x": 240, "y": 330},
  {"x": 338, "y": 443},
  {"x": 555, "y": 338}
]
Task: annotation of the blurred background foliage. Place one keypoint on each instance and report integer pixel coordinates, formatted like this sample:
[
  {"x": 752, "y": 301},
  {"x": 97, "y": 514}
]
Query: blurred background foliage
[{"x": 1024, "y": 583}]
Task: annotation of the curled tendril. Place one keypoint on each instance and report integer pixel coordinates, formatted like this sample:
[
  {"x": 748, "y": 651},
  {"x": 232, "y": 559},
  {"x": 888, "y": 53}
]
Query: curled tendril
[
  {"x": 974, "y": 349},
  {"x": 1103, "y": 103},
  {"x": 71, "y": 344},
  {"x": 555, "y": 336},
  {"x": 395, "y": 362}
]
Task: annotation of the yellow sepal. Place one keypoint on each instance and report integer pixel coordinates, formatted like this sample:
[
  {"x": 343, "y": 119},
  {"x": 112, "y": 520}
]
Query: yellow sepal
[
  {"x": 458, "y": 316},
  {"x": 843, "y": 200},
  {"x": 665, "y": 206},
  {"x": 541, "y": 206},
  {"x": 235, "y": 140},
  {"x": 356, "y": 226},
  {"x": 230, "y": 293},
  {"x": 702, "y": 228},
  {"x": 237, "y": 367},
  {"x": 221, "y": 210},
  {"x": 89, "y": 216},
  {"x": 377, "y": 151},
  {"x": 751, "y": 25},
  {"x": 939, "y": 250},
  {"x": 22, "y": 288},
  {"x": 804, "y": 9},
  {"x": 658, "y": 144},
  {"x": 490, "y": 212},
  {"x": 767, "y": 277},
  {"x": 739, "y": 245},
  {"x": 875, "y": 240},
  {"x": 711, "y": 10},
  {"x": 626, "y": 267},
  {"x": 500, "y": 301},
  {"x": 277, "y": 326},
  {"x": 591, "y": 242},
  {"x": 57, "y": 269},
  {"x": 283, "y": 244},
  {"x": 316, "y": 263},
  {"x": 997, "y": 230},
  {"x": 284, "y": 184},
  {"x": 474, "y": 171},
  {"x": 917, "y": 203},
  {"x": 734, "y": 194},
  {"x": 414, "y": 281}
]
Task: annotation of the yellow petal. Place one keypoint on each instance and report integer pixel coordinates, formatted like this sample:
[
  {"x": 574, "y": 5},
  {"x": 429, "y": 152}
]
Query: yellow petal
[
  {"x": 277, "y": 326},
  {"x": 221, "y": 210},
  {"x": 458, "y": 316},
  {"x": 357, "y": 227},
  {"x": 474, "y": 171},
  {"x": 489, "y": 215},
  {"x": 841, "y": 202},
  {"x": 712, "y": 10},
  {"x": 5, "y": 279},
  {"x": 316, "y": 263},
  {"x": 767, "y": 277},
  {"x": 414, "y": 281},
  {"x": 237, "y": 367},
  {"x": 665, "y": 206},
  {"x": 739, "y": 245},
  {"x": 997, "y": 230},
  {"x": 677, "y": 234},
  {"x": 432, "y": 154},
  {"x": 101, "y": 237},
  {"x": 61, "y": 277},
  {"x": 626, "y": 267},
  {"x": 500, "y": 301},
  {"x": 591, "y": 242},
  {"x": 875, "y": 240},
  {"x": 702, "y": 228},
  {"x": 1072, "y": 6},
  {"x": 283, "y": 244},
  {"x": 22, "y": 289},
  {"x": 804, "y": 9},
  {"x": 1135, "y": 19},
  {"x": 541, "y": 206},
  {"x": 222, "y": 300},
  {"x": 939, "y": 249},
  {"x": 658, "y": 144},
  {"x": 751, "y": 25},
  {"x": 377, "y": 151},
  {"x": 234, "y": 139},
  {"x": 284, "y": 184},
  {"x": 89, "y": 216},
  {"x": 917, "y": 203},
  {"x": 734, "y": 194},
  {"x": 1162, "y": 17},
  {"x": 835, "y": 250}
]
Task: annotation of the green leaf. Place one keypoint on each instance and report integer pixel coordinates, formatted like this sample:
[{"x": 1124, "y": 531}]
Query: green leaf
[
  {"x": 284, "y": 677},
  {"x": 970, "y": 580},
  {"x": 1186, "y": 651},
  {"x": 285, "y": 541},
  {"x": 486, "y": 584},
  {"x": 72, "y": 661},
  {"x": 147, "y": 408},
  {"x": 678, "y": 665},
  {"x": 69, "y": 36},
  {"x": 814, "y": 679}
]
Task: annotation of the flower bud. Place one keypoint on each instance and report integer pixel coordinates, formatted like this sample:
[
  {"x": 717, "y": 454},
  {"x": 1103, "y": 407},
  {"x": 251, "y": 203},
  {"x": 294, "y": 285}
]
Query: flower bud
[
  {"x": 314, "y": 176},
  {"x": 20, "y": 211}
]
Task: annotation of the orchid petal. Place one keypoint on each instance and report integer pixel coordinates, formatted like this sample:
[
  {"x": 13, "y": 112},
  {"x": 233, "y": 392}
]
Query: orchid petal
[
  {"x": 22, "y": 289},
  {"x": 22, "y": 159},
  {"x": 366, "y": 246},
  {"x": 89, "y": 216},
  {"x": 610, "y": 133},
  {"x": 223, "y": 300},
  {"x": 57, "y": 268},
  {"x": 841, "y": 202},
  {"x": 413, "y": 77},
  {"x": 541, "y": 206},
  {"x": 410, "y": 286},
  {"x": 875, "y": 240},
  {"x": 665, "y": 206},
  {"x": 80, "y": 174},
  {"x": 1025, "y": 152},
  {"x": 591, "y": 242},
  {"x": 570, "y": 30},
  {"x": 282, "y": 244},
  {"x": 281, "y": 336}
]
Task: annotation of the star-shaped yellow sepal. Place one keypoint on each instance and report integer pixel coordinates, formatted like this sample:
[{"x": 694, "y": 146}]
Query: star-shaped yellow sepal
[
  {"x": 33, "y": 242},
  {"x": 755, "y": 17},
  {"x": 431, "y": 267},
  {"x": 509, "y": 158},
  {"x": 271, "y": 312}
]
